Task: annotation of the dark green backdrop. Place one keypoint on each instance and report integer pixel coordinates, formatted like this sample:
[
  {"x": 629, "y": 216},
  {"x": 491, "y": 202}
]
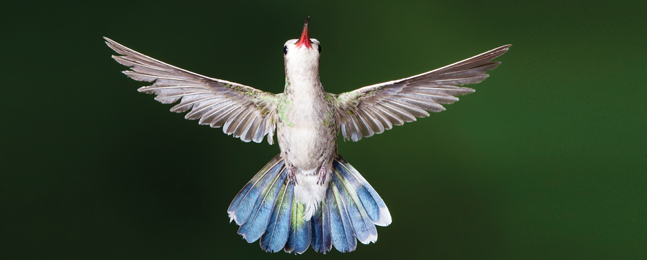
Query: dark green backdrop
[{"x": 546, "y": 160}]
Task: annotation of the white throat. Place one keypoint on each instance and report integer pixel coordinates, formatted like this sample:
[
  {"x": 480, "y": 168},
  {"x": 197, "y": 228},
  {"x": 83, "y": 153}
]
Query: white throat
[{"x": 302, "y": 66}]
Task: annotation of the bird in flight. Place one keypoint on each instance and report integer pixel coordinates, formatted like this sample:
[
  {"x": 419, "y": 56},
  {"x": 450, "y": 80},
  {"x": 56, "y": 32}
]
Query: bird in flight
[{"x": 308, "y": 194}]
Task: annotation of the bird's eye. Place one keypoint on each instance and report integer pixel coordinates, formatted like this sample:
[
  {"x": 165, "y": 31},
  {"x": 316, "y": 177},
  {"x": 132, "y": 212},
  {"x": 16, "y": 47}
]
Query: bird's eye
[
  {"x": 285, "y": 49},
  {"x": 319, "y": 48}
]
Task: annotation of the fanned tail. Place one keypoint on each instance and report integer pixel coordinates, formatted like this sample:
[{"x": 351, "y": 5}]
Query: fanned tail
[{"x": 266, "y": 209}]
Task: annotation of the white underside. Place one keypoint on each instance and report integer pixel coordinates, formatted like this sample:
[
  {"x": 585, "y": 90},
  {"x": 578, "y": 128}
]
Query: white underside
[
  {"x": 304, "y": 138},
  {"x": 308, "y": 192}
]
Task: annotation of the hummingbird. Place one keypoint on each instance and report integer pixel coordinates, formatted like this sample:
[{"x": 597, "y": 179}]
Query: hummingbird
[{"x": 308, "y": 194}]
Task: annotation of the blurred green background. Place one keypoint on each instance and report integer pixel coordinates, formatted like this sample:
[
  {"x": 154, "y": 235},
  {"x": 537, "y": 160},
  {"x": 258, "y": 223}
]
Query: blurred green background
[{"x": 547, "y": 160}]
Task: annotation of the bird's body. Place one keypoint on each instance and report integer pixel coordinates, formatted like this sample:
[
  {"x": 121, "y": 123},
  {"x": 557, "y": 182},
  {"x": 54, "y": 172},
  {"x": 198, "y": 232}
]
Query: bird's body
[
  {"x": 306, "y": 126},
  {"x": 308, "y": 194},
  {"x": 307, "y": 142}
]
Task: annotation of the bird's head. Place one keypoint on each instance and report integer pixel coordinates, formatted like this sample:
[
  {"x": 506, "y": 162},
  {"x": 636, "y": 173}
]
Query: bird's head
[{"x": 302, "y": 55}]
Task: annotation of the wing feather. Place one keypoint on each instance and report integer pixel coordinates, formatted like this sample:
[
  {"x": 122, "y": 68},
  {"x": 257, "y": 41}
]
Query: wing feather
[
  {"x": 242, "y": 111},
  {"x": 373, "y": 109}
]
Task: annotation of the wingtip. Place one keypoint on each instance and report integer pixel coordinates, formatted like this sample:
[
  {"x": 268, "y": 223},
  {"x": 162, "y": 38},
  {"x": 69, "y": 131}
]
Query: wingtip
[
  {"x": 505, "y": 47},
  {"x": 112, "y": 45},
  {"x": 108, "y": 41},
  {"x": 498, "y": 51}
]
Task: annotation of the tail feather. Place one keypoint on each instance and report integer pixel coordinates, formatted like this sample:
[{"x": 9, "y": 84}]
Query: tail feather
[
  {"x": 300, "y": 230},
  {"x": 341, "y": 229},
  {"x": 259, "y": 218},
  {"x": 372, "y": 202},
  {"x": 321, "y": 240},
  {"x": 267, "y": 208},
  {"x": 277, "y": 232},
  {"x": 242, "y": 205},
  {"x": 363, "y": 226}
]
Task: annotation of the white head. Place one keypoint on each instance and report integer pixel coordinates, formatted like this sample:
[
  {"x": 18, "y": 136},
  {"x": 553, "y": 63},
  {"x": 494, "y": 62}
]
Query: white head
[{"x": 302, "y": 56}]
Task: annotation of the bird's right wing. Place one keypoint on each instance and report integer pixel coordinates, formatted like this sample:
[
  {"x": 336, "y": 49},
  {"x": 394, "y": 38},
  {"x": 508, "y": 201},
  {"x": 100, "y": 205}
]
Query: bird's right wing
[
  {"x": 241, "y": 111},
  {"x": 376, "y": 108}
]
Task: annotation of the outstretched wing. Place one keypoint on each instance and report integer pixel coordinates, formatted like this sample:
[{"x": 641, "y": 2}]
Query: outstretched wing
[
  {"x": 373, "y": 109},
  {"x": 241, "y": 111}
]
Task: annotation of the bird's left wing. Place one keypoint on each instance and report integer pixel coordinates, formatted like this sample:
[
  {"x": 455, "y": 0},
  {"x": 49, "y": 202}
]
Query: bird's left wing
[
  {"x": 376, "y": 108},
  {"x": 241, "y": 111}
]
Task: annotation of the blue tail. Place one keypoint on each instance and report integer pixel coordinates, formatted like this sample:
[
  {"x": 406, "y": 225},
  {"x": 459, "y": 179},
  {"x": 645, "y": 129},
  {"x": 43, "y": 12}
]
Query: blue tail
[{"x": 267, "y": 209}]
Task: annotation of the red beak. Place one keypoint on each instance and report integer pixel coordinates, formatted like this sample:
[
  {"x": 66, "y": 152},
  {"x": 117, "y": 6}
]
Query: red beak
[{"x": 305, "y": 36}]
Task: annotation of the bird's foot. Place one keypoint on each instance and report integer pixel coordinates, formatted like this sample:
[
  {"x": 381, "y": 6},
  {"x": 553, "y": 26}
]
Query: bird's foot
[
  {"x": 292, "y": 174},
  {"x": 322, "y": 174}
]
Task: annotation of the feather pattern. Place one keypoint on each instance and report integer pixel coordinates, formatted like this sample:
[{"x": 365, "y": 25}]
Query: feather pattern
[
  {"x": 216, "y": 102},
  {"x": 267, "y": 209},
  {"x": 395, "y": 102},
  {"x": 321, "y": 240},
  {"x": 277, "y": 232},
  {"x": 300, "y": 230},
  {"x": 244, "y": 202},
  {"x": 255, "y": 226},
  {"x": 368, "y": 197},
  {"x": 363, "y": 226},
  {"x": 341, "y": 229}
]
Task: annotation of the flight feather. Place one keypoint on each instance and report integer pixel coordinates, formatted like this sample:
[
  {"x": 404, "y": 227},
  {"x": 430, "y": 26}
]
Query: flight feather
[
  {"x": 242, "y": 111},
  {"x": 373, "y": 109}
]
